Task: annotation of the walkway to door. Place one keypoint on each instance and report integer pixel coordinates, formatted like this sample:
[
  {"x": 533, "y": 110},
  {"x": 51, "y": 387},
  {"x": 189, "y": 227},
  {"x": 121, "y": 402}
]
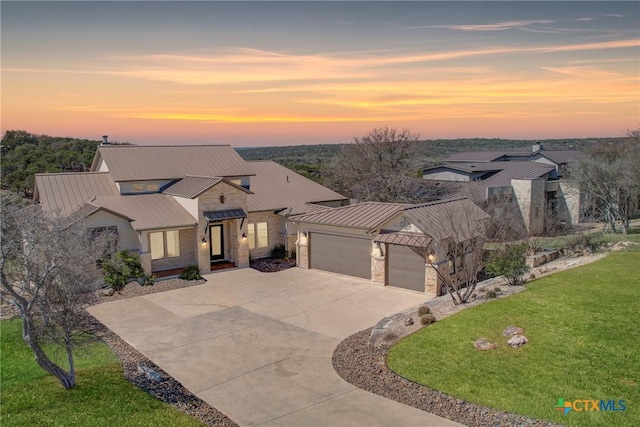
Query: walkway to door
[{"x": 258, "y": 346}]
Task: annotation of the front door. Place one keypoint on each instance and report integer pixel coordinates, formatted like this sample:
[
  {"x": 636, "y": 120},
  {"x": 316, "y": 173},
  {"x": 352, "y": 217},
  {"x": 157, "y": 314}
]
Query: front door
[{"x": 216, "y": 239}]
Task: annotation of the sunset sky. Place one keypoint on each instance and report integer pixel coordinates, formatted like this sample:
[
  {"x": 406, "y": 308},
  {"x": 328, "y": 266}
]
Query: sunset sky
[{"x": 288, "y": 73}]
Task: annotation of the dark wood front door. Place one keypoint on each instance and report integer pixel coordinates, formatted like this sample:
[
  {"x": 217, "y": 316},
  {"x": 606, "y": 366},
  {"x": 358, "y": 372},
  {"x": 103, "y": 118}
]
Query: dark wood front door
[{"x": 216, "y": 242}]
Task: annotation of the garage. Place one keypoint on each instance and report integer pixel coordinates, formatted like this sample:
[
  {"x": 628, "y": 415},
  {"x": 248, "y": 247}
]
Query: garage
[
  {"x": 348, "y": 255},
  {"x": 405, "y": 268}
]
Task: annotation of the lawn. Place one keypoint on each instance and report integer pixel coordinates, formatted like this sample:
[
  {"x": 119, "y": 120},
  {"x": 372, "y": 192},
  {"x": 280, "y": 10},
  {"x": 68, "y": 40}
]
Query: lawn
[
  {"x": 102, "y": 397},
  {"x": 584, "y": 343}
]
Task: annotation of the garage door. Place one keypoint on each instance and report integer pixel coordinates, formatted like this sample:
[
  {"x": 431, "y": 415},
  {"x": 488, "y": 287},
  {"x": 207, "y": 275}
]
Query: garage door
[
  {"x": 340, "y": 254},
  {"x": 405, "y": 268}
]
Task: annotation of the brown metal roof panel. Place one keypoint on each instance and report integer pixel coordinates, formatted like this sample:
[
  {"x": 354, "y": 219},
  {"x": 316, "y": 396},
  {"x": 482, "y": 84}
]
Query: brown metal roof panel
[
  {"x": 66, "y": 191},
  {"x": 191, "y": 186},
  {"x": 148, "y": 211},
  {"x": 138, "y": 162},
  {"x": 365, "y": 215},
  {"x": 405, "y": 239},
  {"x": 277, "y": 187},
  {"x": 456, "y": 218}
]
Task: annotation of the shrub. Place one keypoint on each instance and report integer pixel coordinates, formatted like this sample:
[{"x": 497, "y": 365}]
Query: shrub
[
  {"x": 124, "y": 266},
  {"x": 497, "y": 289},
  {"x": 427, "y": 319},
  {"x": 292, "y": 254},
  {"x": 191, "y": 273},
  {"x": 147, "y": 280},
  {"x": 278, "y": 252},
  {"x": 490, "y": 294},
  {"x": 509, "y": 262},
  {"x": 423, "y": 310}
]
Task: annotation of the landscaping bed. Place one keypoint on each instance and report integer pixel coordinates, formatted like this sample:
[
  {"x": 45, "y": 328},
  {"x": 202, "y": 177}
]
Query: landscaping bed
[{"x": 271, "y": 265}]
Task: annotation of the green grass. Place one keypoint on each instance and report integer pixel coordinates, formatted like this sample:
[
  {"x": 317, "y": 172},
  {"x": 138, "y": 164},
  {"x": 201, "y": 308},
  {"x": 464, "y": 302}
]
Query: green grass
[
  {"x": 584, "y": 337},
  {"x": 102, "y": 397}
]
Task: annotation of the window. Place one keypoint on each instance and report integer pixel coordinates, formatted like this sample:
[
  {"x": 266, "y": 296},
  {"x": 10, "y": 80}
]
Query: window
[
  {"x": 258, "y": 235},
  {"x": 137, "y": 188},
  {"x": 165, "y": 244},
  {"x": 142, "y": 187},
  {"x": 173, "y": 243}
]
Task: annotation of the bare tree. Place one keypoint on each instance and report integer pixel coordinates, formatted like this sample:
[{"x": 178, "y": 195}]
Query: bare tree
[
  {"x": 459, "y": 256},
  {"x": 49, "y": 272},
  {"x": 611, "y": 176},
  {"x": 377, "y": 167}
]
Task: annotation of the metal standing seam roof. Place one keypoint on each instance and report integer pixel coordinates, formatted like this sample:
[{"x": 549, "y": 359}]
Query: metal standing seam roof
[
  {"x": 562, "y": 156},
  {"x": 475, "y": 156},
  {"x": 457, "y": 218},
  {"x": 416, "y": 240},
  {"x": 277, "y": 187},
  {"x": 367, "y": 215},
  {"x": 145, "y": 162},
  {"x": 148, "y": 211},
  {"x": 558, "y": 156},
  {"x": 192, "y": 186},
  {"x": 225, "y": 214},
  {"x": 65, "y": 192}
]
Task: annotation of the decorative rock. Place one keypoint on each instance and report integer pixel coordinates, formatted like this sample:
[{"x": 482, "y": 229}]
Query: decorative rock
[
  {"x": 510, "y": 331},
  {"x": 106, "y": 292},
  {"x": 149, "y": 373},
  {"x": 408, "y": 321},
  {"x": 378, "y": 331},
  {"x": 483, "y": 344},
  {"x": 517, "y": 341}
]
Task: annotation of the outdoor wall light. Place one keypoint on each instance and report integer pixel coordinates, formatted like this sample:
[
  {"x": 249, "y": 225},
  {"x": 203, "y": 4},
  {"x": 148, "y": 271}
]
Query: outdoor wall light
[
  {"x": 204, "y": 241},
  {"x": 304, "y": 234},
  {"x": 244, "y": 236},
  {"x": 431, "y": 258}
]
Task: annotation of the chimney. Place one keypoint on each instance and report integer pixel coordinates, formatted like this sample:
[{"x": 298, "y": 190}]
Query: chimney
[
  {"x": 537, "y": 147},
  {"x": 105, "y": 139}
]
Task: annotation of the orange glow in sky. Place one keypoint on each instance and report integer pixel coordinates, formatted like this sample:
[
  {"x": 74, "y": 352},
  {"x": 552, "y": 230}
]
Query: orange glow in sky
[{"x": 298, "y": 73}]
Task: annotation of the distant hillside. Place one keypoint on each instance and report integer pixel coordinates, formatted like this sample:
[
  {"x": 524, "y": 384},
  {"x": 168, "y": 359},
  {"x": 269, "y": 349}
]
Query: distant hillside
[
  {"x": 308, "y": 160},
  {"x": 25, "y": 154}
]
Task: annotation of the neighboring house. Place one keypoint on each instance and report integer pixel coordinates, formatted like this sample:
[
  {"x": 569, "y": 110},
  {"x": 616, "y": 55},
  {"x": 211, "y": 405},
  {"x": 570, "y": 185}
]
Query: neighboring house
[
  {"x": 534, "y": 180},
  {"x": 185, "y": 205},
  {"x": 391, "y": 244}
]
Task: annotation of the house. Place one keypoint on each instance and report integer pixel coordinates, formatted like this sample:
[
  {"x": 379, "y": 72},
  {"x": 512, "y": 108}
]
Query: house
[
  {"x": 534, "y": 180},
  {"x": 392, "y": 244},
  {"x": 179, "y": 206}
]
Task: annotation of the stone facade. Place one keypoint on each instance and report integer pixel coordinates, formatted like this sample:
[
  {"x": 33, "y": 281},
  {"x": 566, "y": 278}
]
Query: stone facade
[
  {"x": 302, "y": 251},
  {"x": 274, "y": 227},
  {"x": 529, "y": 195},
  {"x": 187, "y": 256},
  {"x": 236, "y": 248}
]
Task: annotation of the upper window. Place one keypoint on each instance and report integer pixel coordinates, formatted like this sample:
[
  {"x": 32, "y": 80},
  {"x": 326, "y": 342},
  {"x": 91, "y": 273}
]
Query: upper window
[
  {"x": 258, "y": 235},
  {"x": 165, "y": 244},
  {"x": 145, "y": 187}
]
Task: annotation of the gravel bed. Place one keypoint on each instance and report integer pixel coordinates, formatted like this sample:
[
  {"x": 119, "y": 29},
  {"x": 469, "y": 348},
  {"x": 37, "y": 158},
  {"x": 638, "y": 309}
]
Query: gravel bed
[
  {"x": 167, "y": 389},
  {"x": 134, "y": 289},
  {"x": 365, "y": 367}
]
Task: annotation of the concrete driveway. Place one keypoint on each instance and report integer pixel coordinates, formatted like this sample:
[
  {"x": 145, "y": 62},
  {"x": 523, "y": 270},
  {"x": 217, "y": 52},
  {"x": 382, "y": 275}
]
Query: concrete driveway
[{"x": 258, "y": 346}]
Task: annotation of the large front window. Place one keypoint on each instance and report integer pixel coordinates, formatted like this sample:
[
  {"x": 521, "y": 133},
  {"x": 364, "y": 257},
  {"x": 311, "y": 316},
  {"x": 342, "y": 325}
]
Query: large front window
[
  {"x": 258, "y": 235},
  {"x": 165, "y": 244}
]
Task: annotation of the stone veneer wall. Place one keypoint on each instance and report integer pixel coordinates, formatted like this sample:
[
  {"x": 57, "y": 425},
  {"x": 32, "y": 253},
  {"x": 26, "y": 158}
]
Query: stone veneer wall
[
  {"x": 571, "y": 196},
  {"x": 236, "y": 249},
  {"x": 187, "y": 253},
  {"x": 302, "y": 251},
  {"x": 529, "y": 194},
  {"x": 273, "y": 228}
]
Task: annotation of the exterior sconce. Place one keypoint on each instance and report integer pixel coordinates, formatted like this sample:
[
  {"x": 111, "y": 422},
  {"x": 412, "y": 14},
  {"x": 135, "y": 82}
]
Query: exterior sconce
[
  {"x": 244, "y": 236},
  {"x": 431, "y": 258},
  {"x": 204, "y": 241},
  {"x": 304, "y": 234}
]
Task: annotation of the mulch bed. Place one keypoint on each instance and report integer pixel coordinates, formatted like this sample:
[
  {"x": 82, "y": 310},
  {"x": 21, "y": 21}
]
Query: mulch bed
[{"x": 270, "y": 265}]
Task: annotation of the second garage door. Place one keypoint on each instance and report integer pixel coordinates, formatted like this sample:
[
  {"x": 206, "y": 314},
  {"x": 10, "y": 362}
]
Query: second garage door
[
  {"x": 340, "y": 254},
  {"x": 405, "y": 268}
]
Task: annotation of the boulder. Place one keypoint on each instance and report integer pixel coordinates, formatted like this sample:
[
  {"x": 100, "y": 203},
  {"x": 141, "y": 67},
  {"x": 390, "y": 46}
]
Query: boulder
[
  {"x": 483, "y": 344},
  {"x": 510, "y": 331},
  {"x": 517, "y": 341},
  {"x": 149, "y": 373},
  {"x": 106, "y": 292},
  {"x": 408, "y": 321}
]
